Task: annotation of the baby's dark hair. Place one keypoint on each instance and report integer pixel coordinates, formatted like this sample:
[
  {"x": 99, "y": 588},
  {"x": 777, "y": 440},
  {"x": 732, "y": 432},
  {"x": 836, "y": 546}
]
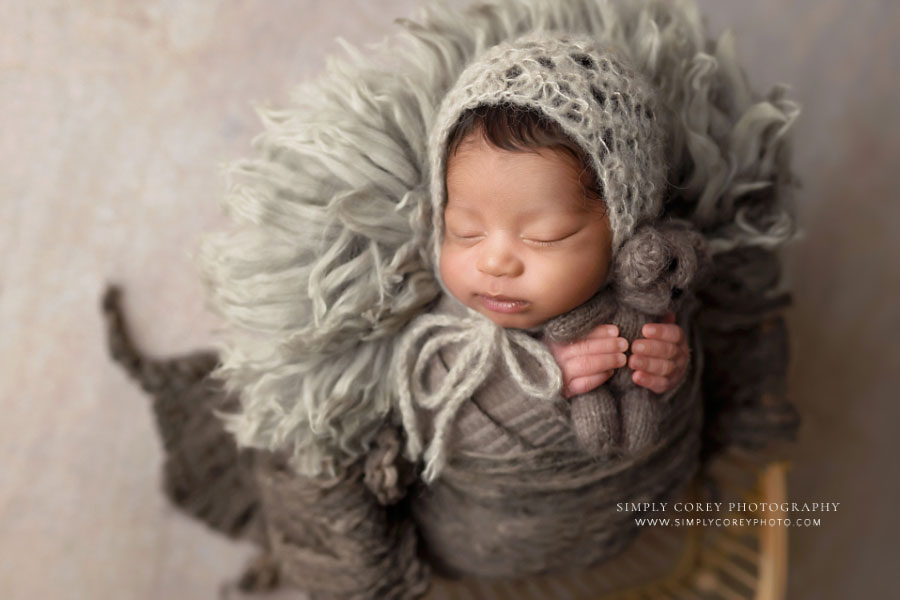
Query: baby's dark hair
[{"x": 520, "y": 129}]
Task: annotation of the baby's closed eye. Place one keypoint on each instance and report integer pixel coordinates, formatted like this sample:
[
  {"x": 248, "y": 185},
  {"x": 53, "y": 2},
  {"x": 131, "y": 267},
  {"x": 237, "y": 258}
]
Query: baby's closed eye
[
  {"x": 465, "y": 233},
  {"x": 548, "y": 238}
]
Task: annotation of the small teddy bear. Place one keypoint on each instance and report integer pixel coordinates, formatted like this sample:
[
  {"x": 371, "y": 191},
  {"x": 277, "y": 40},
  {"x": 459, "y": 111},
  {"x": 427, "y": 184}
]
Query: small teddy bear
[{"x": 653, "y": 274}]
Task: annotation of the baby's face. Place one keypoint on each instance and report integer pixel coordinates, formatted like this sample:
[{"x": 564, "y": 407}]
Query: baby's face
[{"x": 521, "y": 245}]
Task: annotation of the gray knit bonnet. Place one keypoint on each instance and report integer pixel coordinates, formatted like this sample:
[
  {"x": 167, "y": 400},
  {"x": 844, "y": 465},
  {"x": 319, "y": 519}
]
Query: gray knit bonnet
[{"x": 597, "y": 99}]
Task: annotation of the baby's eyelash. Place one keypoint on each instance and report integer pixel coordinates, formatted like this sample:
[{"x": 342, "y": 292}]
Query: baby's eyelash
[
  {"x": 465, "y": 235},
  {"x": 552, "y": 242},
  {"x": 542, "y": 242}
]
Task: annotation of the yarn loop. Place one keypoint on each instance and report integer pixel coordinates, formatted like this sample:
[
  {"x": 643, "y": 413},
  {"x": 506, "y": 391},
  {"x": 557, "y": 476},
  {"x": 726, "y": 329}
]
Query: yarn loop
[{"x": 480, "y": 340}]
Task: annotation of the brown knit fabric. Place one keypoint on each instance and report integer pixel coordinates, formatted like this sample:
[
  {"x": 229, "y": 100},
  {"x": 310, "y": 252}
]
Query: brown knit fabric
[
  {"x": 387, "y": 474},
  {"x": 519, "y": 494},
  {"x": 745, "y": 354},
  {"x": 334, "y": 539},
  {"x": 204, "y": 474}
]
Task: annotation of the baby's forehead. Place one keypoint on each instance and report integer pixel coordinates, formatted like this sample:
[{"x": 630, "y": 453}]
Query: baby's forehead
[
  {"x": 544, "y": 181},
  {"x": 536, "y": 210},
  {"x": 545, "y": 209}
]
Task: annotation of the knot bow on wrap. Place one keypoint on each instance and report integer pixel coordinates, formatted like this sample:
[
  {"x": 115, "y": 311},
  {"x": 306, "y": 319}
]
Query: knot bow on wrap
[{"x": 481, "y": 344}]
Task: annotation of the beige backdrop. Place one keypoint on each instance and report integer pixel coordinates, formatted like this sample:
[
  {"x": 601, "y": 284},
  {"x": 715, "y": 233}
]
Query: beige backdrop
[{"x": 115, "y": 118}]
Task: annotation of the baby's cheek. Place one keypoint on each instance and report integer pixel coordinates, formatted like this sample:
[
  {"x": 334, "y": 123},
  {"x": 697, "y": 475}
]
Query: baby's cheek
[
  {"x": 566, "y": 283},
  {"x": 588, "y": 272},
  {"x": 445, "y": 266},
  {"x": 453, "y": 271}
]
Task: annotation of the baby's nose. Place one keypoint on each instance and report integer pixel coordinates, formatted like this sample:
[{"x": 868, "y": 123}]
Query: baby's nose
[{"x": 498, "y": 259}]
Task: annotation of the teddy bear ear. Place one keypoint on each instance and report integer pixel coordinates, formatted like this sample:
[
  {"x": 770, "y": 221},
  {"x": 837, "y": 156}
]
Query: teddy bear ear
[
  {"x": 642, "y": 256},
  {"x": 645, "y": 239}
]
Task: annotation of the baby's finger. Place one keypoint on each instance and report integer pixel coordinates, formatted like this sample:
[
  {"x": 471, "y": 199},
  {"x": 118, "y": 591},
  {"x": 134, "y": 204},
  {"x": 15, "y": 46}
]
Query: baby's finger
[
  {"x": 664, "y": 332},
  {"x": 590, "y": 364},
  {"x": 603, "y": 331},
  {"x": 582, "y": 385},
  {"x": 654, "y": 366},
  {"x": 609, "y": 345},
  {"x": 654, "y": 383},
  {"x": 655, "y": 349}
]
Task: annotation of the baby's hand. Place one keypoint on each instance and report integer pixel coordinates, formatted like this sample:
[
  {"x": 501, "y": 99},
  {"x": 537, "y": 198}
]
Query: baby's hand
[
  {"x": 660, "y": 359},
  {"x": 590, "y": 361}
]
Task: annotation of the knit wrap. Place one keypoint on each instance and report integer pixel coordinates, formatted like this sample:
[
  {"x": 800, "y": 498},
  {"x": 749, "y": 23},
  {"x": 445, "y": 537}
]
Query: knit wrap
[
  {"x": 518, "y": 494},
  {"x": 590, "y": 90},
  {"x": 486, "y": 347}
]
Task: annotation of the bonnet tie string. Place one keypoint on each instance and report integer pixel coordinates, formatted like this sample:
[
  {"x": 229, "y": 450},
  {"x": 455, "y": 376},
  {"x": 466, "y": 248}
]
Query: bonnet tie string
[{"x": 482, "y": 344}]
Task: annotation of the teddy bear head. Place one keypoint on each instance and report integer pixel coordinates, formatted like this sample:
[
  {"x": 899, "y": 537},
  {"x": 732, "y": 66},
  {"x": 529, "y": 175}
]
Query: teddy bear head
[{"x": 659, "y": 265}]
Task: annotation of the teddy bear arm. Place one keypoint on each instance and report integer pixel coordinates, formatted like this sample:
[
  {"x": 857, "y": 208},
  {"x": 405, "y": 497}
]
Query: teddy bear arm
[
  {"x": 596, "y": 421},
  {"x": 641, "y": 418},
  {"x": 579, "y": 321}
]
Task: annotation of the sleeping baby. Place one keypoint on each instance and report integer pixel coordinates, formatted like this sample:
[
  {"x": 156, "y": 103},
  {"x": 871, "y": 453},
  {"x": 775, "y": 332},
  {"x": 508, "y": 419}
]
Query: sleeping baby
[{"x": 548, "y": 183}]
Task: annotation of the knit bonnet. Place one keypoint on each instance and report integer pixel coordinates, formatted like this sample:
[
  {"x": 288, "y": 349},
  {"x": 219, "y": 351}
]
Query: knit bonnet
[{"x": 587, "y": 88}]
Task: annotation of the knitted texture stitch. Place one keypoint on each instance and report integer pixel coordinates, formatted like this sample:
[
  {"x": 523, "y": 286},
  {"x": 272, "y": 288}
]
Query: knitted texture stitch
[{"x": 593, "y": 94}]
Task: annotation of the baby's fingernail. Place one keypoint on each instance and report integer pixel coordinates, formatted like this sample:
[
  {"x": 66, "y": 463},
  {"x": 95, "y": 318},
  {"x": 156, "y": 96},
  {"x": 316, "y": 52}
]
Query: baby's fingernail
[
  {"x": 638, "y": 347},
  {"x": 612, "y": 330},
  {"x": 649, "y": 330},
  {"x": 622, "y": 344},
  {"x": 620, "y": 360},
  {"x": 637, "y": 363}
]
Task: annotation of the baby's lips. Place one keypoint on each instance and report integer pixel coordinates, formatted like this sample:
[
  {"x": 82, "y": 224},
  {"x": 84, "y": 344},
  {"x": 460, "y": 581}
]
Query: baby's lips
[
  {"x": 503, "y": 304},
  {"x": 502, "y": 298}
]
